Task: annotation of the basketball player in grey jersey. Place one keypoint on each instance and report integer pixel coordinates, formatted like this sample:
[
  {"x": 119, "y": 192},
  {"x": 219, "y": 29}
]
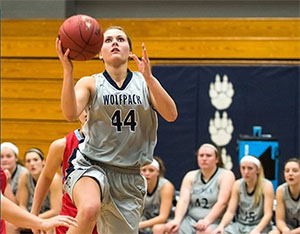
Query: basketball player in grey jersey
[
  {"x": 10, "y": 165},
  {"x": 160, "y": 195},
  {"x": 132, "y": 123},
  {"x": 120, "y": 135},
  {"x": 253, "y": 196},
  {"x": 288, "y": 200},
  {"x": 204, "y": 194}
]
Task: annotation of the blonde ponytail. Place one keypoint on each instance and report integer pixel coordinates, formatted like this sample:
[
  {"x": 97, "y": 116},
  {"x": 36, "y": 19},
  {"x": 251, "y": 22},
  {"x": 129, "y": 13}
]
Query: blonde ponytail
[{"x": 259, "y": 186}]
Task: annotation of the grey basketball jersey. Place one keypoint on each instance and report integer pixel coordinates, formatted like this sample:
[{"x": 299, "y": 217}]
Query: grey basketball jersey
[
  {"x": 152, "y": 201},
  {"x": 15, "y": 178},
  {"x": 31, "y": 187},
  {"x": 121, "y": 123},
  {"x": 248, "y": 214},
  {"x": 204, "y": 195},
  {"x": 292, "y": 208}
]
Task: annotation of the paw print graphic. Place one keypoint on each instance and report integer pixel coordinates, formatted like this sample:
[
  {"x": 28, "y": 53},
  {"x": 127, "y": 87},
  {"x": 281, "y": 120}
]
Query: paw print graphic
[
  {"x": 221, "y": 92},
  {"x": 220, "y": 129},
  {"x": 226, "y": 159}
]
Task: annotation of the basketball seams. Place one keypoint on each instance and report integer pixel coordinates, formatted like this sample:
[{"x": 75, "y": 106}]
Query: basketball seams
[
  {"x": 79, "y": 20},
  {"x": 72, "y": 50},
  {"x": 87, "y": 43},
  {"x": 73, "y": 37},
  {"x": 90, "y": 36},
  {"x": 78, "y": 25}
]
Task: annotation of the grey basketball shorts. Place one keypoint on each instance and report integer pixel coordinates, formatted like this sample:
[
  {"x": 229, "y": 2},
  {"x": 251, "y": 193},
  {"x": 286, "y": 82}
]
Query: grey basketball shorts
[{"x": 123, "y": 192}]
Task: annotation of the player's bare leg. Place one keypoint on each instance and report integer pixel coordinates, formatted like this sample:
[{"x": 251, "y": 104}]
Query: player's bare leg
[{"x": 86, "y": 195}]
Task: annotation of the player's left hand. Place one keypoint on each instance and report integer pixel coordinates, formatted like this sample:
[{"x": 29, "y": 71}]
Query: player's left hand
[
  {"x": 201, "y": 225},
  {"x": 143, "y": 64}
]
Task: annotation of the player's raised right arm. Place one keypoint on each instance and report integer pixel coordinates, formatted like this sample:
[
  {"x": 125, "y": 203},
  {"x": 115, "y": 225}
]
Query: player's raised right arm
[{"x": 73, "y": 100}]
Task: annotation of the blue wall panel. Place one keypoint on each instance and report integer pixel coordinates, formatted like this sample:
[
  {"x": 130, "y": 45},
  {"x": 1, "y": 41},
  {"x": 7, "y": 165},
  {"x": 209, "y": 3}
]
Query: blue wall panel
[{"x": 266, "y": 96}]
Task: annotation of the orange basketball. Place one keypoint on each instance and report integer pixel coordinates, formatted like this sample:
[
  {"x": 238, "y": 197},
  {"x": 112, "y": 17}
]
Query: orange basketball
[{"x": 82, "y": 35}]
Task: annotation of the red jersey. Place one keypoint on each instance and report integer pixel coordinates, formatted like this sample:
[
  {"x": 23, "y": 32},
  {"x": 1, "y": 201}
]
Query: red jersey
[
  {"x": 3, "y": 186},
  {"x": 68, "y": 208}
]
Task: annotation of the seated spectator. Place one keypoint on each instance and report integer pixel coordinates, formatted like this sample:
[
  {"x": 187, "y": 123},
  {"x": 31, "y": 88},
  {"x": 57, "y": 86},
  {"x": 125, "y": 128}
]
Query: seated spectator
[
  {"x": 159, "y": 198},
  {"x": 288, "y": 200},
  {"x": 252, "y": 197},
  {"x": 10, "y": 165},
  {"x": 204, "y": 195},
  {"x": 13, "y": 170},
  {"x": 34, "y": 162}
]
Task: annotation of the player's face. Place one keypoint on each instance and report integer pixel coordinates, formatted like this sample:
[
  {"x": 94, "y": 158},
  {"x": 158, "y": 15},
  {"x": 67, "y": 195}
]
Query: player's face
[
  {"x": 292, "y": 173},
  {"x": 207, "y": 158},
  {"x": 34, "y": 163},
  {"x": 115, "y": 46},
  {"x": 249, "y": 171},
  {"x": 8, "y": 159},
  {"x": 150, "y": 172}
]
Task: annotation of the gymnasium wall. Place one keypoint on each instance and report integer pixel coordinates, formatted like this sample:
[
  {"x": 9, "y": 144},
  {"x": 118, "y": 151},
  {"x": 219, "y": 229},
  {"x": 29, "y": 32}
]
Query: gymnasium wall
[{"x": 31, "y": 74}]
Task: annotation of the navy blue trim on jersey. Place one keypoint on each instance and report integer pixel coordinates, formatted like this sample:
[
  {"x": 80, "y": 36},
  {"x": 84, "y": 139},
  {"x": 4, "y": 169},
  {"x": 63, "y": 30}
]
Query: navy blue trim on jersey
[
  {"x": 71, "y": 166},
  {"x": 150, "y": 194},
  {"x": 251, "y": 193},
  {"x": 202, "y": 178},
  {"x": 14, "y": 173},
  {"x": 290, "y": 193},
  {"x": 113, "y": 83}
]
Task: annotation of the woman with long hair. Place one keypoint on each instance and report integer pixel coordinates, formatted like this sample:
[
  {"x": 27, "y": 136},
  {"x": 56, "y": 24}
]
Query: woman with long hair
[
  {"x": 159, "y": 198},
  {"x": 253, "y": 196},
  {"x": 288, "y": 200}
]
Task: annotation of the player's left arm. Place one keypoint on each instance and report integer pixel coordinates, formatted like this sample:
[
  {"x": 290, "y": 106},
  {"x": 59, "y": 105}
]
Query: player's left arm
[
  {"x": 55, "y": 198},
  {"x": 166, "y": 196},
  {"x": 160, "y": 99},
  {"x": 268, "y": 192},
  {"x": 22, "y": 192},
  {"x": 8, "y": 193}
]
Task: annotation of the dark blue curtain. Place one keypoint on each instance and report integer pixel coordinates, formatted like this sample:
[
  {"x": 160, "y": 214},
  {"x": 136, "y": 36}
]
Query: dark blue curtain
[{"x": 266, "y": 96}]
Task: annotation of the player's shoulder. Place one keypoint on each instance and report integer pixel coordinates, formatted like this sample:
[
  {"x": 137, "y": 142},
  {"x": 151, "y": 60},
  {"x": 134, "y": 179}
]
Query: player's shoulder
[
  {"x": 191, "y": 175},
  {"x": 138, "y": 76},
  {"x": 237, "y": 183},
  {"x": 23, "y": 176},
  {"x": 268, "y": 183},
  {"x": 280, "y": 192},
  {"x": 226, "y": 173},
  {"x": 226, "y": 176},
  {"x": 280, "y": 188},
  {"x": 166, "y": 182},
  {"x": 86, "y": 81},
  {"x": 137, "y": 73},
  {"x": 58, "y": 143}
]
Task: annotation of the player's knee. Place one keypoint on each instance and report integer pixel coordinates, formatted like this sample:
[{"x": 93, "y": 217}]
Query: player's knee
[{"x": 90, "y": 211}]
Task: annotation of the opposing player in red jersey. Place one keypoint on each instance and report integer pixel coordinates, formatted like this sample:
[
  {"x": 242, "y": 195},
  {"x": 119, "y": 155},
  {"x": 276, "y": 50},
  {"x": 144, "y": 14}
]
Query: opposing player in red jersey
[
  {"x": 3, "y": 186},
  {"x": 60, "y": 151}
]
